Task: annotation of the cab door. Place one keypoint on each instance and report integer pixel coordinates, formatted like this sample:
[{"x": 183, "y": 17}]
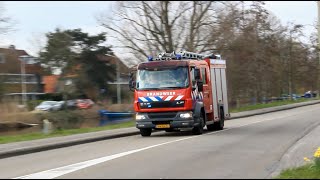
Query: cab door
[{"x": 206, "y": 94}]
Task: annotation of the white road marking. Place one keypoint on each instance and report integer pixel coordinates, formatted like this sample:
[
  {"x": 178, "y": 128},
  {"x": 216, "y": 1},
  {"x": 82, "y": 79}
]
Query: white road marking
[{"x": 53, "y": 173}]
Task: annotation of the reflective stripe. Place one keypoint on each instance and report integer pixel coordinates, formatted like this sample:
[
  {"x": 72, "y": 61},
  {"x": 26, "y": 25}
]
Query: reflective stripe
[
  {"x": 143, "y": 99},
  {"x": 168, "y": 98},
  {"x": 179, "y": 97},
  {"x": 153, "y": 98},
  {"x": 159, "y": 98},
  {"x": 148, "y": 99},
  {"x": 163, "y": 98}
]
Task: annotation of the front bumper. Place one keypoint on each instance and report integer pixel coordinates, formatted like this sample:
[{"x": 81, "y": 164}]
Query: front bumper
[{"x": 173, "y": 119}]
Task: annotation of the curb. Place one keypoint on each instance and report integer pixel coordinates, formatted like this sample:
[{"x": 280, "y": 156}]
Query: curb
[
  {"x": 45, "y": 147},
  {"x": 21, "y": 148},
  {"x": 272, "y": 109}
]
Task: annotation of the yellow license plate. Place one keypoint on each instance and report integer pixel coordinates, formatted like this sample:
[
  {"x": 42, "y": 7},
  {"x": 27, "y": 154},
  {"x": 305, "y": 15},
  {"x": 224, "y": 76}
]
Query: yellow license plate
[{"x": 163, "y": 126}]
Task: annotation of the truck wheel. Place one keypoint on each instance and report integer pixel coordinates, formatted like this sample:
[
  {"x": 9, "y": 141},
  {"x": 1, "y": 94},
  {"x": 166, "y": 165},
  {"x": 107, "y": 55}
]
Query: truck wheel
[
  {"x": 211, "y": 127},
  {"x": 145, "y": 132},
  {"x": 199, "y": 129},
  {"x": 220, "y": 124}
]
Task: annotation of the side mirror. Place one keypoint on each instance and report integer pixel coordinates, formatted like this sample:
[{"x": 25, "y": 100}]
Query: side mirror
[
  {"x": 200, "y": 85},
  {"x": 197, "y": 74},
  {"x": 132, "y": 82},
  {"x": 132, "y": 85},
  {"x": 193, "y": 85}
]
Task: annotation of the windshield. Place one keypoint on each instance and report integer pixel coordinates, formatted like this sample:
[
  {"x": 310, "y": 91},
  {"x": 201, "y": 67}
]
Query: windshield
[{"x": 162, "y": 78}]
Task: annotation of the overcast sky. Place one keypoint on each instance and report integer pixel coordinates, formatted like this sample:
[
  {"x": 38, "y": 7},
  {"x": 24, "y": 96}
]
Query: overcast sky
[{"x": 35, "y": 18}]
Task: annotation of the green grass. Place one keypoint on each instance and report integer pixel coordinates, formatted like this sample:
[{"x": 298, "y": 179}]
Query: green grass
[
  {"x": 267, "y": 105},
  {"x": 309, "y": 171},
  {"x": 40, "y": 135}
]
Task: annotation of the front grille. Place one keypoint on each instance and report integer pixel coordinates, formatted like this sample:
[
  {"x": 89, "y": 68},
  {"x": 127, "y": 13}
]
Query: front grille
[
  {"x": 162, "y": 115},
  {"x": 161, "y": 122},
  {"x": 162, "y": 104}
]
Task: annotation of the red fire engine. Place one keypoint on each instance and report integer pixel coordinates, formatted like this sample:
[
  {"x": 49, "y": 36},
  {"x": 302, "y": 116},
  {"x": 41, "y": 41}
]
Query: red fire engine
[{"x": 180, "y": 91}]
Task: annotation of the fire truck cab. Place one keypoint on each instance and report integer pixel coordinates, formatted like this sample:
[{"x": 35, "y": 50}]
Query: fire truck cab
[{"x": 180, "y": 91}]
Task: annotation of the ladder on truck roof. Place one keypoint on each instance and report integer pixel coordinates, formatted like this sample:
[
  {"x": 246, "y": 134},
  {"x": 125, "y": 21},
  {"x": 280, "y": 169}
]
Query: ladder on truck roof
[{"x": 182, "y": 55}]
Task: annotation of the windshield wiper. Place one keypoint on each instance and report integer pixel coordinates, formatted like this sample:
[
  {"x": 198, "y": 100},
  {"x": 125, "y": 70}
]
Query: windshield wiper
[
  {"x": 149, "y": 88},
  {"x": 173, "y": 87}
]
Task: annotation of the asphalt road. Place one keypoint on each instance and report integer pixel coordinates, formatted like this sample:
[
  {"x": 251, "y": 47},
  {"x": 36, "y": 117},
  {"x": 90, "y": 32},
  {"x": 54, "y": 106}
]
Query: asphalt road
[{"x": 247, "y": 148}]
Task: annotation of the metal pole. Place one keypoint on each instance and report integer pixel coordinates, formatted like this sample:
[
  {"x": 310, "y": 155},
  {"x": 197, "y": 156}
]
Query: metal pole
[
  {"x": 118, "y": 84},
  {"x": 118, "y": 79},
  {"x": 23, "y": 81},
  {"x": 318, "y": 85},
  {"x": 21, "y": 61}
]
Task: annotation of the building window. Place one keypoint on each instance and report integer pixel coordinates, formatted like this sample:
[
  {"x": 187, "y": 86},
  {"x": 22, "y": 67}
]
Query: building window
[
  {"x": 2, "y": 60},
  {"x": 31, "y": 61}
]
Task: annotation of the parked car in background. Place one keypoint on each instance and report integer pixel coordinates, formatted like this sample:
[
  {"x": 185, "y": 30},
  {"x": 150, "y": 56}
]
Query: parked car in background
[
  {"x": 310, "y": 94},
  {"x": 295, "y": 96},
  {"x": 50, "y": 106},
  {"x": 84, "y": 103},
  {"x": 71, "y": 104}
]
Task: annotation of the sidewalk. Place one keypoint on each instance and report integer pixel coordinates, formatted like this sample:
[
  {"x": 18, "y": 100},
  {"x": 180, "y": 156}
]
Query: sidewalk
[
  {"x": 19, "y": 148},
  {"x": 304, "y": 147}
]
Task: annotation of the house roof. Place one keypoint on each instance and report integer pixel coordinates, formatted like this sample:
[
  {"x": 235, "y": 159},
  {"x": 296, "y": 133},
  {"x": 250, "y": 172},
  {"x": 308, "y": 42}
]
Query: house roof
[{"x": 12, "y": 64}]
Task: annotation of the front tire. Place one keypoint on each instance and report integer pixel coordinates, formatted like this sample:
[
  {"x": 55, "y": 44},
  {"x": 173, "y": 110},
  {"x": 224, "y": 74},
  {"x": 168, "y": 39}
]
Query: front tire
[
  {"x": 199, "y": 129},
  {"x": 211, "y": 127},
  {"x": 145, "y": 132}
]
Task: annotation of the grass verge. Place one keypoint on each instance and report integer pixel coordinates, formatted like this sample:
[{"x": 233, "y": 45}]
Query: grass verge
[
  {"x": 272, "y": 104},
  {"x": 63, "y": 132},
  {"x": 309, "y": 171}
]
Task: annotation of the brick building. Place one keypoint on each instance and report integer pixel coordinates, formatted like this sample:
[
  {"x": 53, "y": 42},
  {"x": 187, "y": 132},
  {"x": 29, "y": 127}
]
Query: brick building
[{"x": 11, "y": 75}]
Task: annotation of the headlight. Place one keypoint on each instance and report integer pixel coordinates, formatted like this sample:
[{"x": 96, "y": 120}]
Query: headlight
[
  {"x": 186, "y": 115},
  {"x": 139, "y": 117}
]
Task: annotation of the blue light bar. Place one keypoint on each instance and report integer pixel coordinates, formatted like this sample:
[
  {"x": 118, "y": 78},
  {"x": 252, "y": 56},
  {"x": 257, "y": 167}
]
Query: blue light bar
[
  {"x": 178, "y": 56},
  {"x": 150, "y": 58}
]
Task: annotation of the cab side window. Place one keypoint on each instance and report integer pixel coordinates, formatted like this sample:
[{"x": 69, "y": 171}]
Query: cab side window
[
  {"x": 192, "y": 76},
  {"x": 203, "y": 74}
]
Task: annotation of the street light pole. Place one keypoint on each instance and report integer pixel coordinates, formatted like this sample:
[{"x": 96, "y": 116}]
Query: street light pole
[
  {"x": 23, "y": 79},
  {"x": 118, "y": 84},
  {"x": 318, "y": 83},
  {"x": 23, "y": 82}
]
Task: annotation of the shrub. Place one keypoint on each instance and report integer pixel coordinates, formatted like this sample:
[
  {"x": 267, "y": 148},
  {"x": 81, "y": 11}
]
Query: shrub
[
  {"x": 317, "y": 158},
  {"x": 32, "y": 104},
  {"x": 64, "y": 119}
]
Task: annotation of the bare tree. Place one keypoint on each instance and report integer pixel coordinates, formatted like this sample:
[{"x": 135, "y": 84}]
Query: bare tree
[
  {"x": 6, "y": 23},
  {"x": 264, "y": 57},
  {"x": 148, "y": 27},
  {"x": 37, "y": 42}
]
